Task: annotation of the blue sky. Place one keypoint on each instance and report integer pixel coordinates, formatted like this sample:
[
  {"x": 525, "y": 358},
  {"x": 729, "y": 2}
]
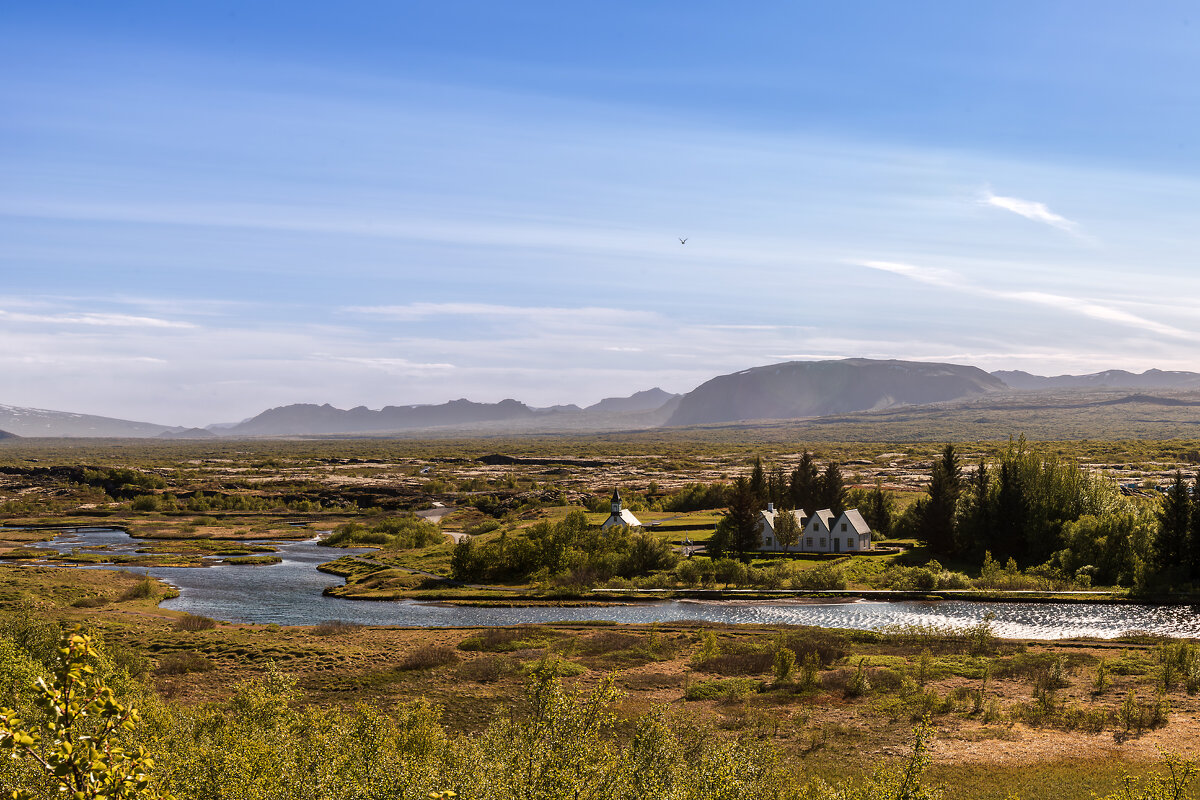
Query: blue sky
[{"x": 209, "y": 209}]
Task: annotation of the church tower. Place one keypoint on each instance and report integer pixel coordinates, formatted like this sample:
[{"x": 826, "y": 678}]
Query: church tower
[{"x": 620, "y": 516}]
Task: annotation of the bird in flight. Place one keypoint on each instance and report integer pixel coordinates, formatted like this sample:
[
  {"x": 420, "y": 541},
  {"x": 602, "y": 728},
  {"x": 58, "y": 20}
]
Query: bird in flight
[{"x": 683, "y": 241}]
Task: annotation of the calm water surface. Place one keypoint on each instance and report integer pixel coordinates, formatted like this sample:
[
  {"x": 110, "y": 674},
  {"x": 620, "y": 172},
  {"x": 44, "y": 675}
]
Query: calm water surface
[{"x": 290, "y": 594}]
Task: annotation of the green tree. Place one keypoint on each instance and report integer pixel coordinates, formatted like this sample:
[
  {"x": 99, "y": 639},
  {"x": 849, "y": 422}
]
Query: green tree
[
  {"x": 879, "y": 509},
  {"x": 938, "y": 524},
  {"x": 1174, "y": 524},
  {"x": 1011, "y": 512},
  {"x": 78, "y": 743},
  {"x": 975, "y": 513},
  {"x": 804, "y": 481},
  {"x": 832, "y": 489},
  {"x": 787, "y": 529},
  {"x": 742, "y": 519},
  {"x": 758, "y": 484},
  {"x": 1194, "y": 530},
  {"x": 777, "y": 487}
]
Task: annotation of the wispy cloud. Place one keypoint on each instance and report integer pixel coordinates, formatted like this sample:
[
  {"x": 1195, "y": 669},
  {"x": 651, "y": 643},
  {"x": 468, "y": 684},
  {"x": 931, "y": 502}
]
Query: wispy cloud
[
  {"x": 400, "y": 365},
  {"x": 1077, "y": 305},
  {"x": 96, "y": 319},
  {"x": 1030, "y": 209},
  {"x": 1097, "y": 311},
  {"x": 930, "y": 275},
  {"x": 414, "y": 312}
]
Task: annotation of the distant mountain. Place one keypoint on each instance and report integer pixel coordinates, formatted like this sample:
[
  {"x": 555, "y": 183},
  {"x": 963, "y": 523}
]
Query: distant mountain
[
  {"x": 188, "y": 433},
  {"x": 1109, "y": 379},
  {"x": 306, "y": 418},
  {"x": 798, "y": 389},
  {"x": 7, "y": 435},
  {"x": 647, "y": 400},
  {"x": 569, "y": 408},
  {"x": 41, "y": 422}
]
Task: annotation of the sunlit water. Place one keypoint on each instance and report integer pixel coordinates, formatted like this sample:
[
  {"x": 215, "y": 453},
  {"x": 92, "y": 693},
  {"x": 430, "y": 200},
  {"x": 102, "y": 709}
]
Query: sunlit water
[{"x": 289, "y": 593}]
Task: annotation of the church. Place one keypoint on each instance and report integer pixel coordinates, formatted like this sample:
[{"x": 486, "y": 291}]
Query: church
[{"x": 620, "y": 516}]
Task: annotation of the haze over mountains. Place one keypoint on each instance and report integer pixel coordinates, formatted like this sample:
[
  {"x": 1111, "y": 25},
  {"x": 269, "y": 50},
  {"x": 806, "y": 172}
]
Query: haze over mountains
[
  {"x": 786, "y": 391},
  {"x": 1109, "y": 379}
]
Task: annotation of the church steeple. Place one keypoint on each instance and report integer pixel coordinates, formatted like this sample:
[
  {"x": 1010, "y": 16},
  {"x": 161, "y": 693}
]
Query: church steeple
[{"x": 616, "y": 502}]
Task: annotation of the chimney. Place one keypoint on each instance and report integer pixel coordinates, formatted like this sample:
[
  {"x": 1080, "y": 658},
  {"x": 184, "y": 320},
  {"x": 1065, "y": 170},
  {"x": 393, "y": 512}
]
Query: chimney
[{"x": 770, "y": 508}]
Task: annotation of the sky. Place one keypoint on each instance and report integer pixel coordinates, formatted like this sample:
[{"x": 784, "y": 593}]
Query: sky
[{"x": 208, "y": 209}]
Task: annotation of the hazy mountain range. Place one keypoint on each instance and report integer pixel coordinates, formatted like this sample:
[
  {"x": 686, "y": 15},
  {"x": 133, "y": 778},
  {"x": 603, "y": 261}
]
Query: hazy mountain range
[{"x": 791, "y": 390}]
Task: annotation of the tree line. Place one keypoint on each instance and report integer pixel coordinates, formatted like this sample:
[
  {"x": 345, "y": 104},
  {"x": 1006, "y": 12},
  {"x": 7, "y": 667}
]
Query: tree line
[{"x": 1038, "y": 508}]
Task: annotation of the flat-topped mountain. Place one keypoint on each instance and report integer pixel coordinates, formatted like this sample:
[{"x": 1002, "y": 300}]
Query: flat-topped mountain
[
  {"x": 1108, "y": 379},
  {"x": 798, "y": 389}
]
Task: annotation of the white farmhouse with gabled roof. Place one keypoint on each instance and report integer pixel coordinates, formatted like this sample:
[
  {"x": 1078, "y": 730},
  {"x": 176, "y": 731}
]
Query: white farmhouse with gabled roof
[
  {"x": 767, "y": 538},
  {"x": 620, "y": 516},
  {"x": 821, "y": 533},
  {"x": 853, "y": 531}
]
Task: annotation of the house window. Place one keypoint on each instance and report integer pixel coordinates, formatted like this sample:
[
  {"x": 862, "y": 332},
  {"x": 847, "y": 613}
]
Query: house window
[
  {"x": 822, "y": 541},
  {"x": 849, "y": 543},
  {"x": 843, "y": 527},
  {"x": 768, "y": 541},
  {"x": 809, "y": 544}
]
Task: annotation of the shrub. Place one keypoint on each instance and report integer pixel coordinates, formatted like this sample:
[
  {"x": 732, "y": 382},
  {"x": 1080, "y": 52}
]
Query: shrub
[
  {"x": 428, "y": 657},
  {"x": 826, "y": 645},
  {"x": 731, "y": 688},
  {"x": 194, "y": 622},
  {"x": 95, "y": 601},
  {"x": 142, "y": 589},
  {"x": 335, "y": 627},
  {"x": 859, "y": 684},
  {"x": 484, "y": 526},
  {"x": 144, "y": 502},
  {"x": 183, "y": 663},
  {"x": 506, "y": 640},
  {"x": 554, "y": 665},
  {"x": 753, "y": 663},
  {"x": 488, "y": 668},
  {"x": 785, "y": 664},
  {"x": 826, "y": 576}
]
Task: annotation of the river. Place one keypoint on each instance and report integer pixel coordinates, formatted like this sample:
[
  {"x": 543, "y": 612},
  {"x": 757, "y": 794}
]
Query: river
[{"x": 289, "y": 593}]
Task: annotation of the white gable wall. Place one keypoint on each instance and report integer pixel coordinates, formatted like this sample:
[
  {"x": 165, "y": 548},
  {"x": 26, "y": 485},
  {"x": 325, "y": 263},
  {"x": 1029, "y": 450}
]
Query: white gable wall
[{"x": 821, "y": 533}]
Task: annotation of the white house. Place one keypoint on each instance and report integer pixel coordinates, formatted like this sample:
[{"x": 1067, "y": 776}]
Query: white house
[
  {"x": 820, "y": 533},
  {"x": 620, "y": 516},
  {"x": 768, "y": 539}
]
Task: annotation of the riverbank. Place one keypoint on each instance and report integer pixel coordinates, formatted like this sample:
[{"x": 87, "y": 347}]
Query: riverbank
[{"x": 1007, "y": 714}]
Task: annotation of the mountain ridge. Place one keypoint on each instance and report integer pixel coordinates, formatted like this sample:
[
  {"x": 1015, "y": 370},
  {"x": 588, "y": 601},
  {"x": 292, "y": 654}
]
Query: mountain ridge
[
  {"x": 803, "y": 389},
  {"x": 782, "y": 391}
]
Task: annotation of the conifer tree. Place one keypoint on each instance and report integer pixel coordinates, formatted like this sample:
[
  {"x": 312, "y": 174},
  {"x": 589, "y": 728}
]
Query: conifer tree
[
  {"x": 831, "y": 490},
  {"x": 1012, "y": 511},
  {"x": 804, "y": 484},
  {"x": 1174, "y": 521},
  {"x": 975, "y": 528},
  {"x": 938, "y": 525},
  {"x": 879, "y": 509},
  {"x": 1194, "y": 530},
  {"x": 758, "y": 483},
  {"x": 742, "y": 521}
]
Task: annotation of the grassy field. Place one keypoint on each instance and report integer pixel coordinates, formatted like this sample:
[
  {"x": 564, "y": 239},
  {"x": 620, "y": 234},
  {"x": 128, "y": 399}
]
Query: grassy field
[{"x": 1008, "y": 715}]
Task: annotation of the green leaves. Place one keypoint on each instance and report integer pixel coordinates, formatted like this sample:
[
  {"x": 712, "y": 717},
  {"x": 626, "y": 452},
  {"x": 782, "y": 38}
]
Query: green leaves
[{"x": 78, "y": 746}]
